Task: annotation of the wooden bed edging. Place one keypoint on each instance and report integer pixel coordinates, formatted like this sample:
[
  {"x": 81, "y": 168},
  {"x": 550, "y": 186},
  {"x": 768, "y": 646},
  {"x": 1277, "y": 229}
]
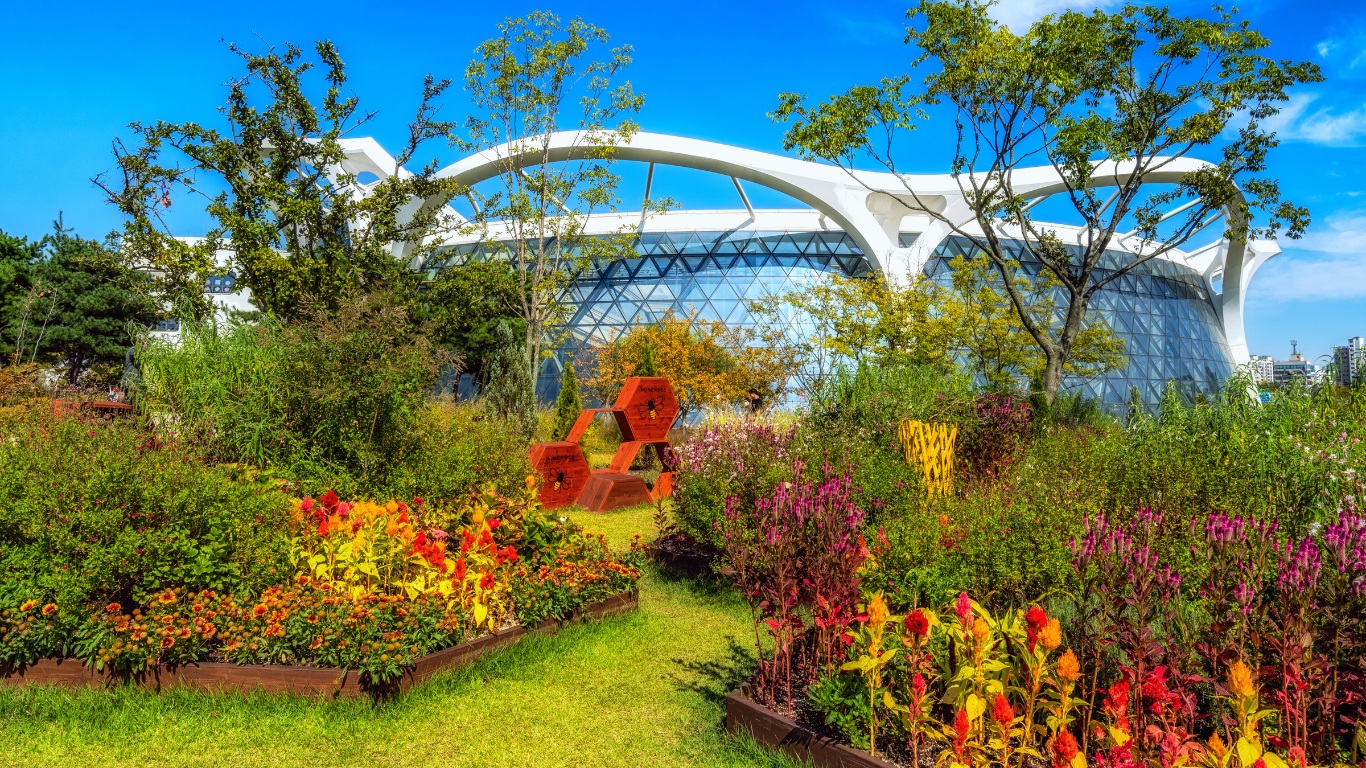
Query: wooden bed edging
[
  {"x": 332, "y": 683},
  {"x": 778, "y": 731}
]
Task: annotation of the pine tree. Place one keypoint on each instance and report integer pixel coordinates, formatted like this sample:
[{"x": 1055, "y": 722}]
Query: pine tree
[
  {"x": 568, "y": 405},
  {"x": 510, "y": 394}
]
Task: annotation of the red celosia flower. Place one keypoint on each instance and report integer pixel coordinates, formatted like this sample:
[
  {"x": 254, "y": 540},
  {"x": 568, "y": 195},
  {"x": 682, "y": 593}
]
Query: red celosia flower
[
  {"x": 1001, "y": 711},
  {"x": 960, "y": 725},
  {"x": 1065, "y": 748},
  {"x": 494, "y": 523},
  {"x": 330, "y": 498},
  {"x": 420, "y": 539},
  {"x": 917, "y": 623},
  {"x": 486, "y": 582},
  {"x": 460, "y": 569},
  {"x": 918, "y": 685},
  {"x": 418, "y": 501},
  {"x": 322, "y": 527},
  {"x": 307, "y": 504},
  {"x": 1035, "y": 621}
]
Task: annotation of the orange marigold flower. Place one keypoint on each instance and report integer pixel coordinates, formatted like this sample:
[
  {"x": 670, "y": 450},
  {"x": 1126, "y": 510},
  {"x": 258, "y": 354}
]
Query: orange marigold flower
[
  {"x": 275, "y": 630},
  {"x": 49, "y": 609},
  {"x": 113, "y": 608},
  {"x": 1069, "y": 668},
  {"x": 258, "y": 611},
  {"x": 166, "y": 598},
  {"x": 167, "y": 642},
  {"x": 28, "y": 605}
]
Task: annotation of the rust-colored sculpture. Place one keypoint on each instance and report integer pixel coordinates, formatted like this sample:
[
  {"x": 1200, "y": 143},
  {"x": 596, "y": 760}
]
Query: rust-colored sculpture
[{"x": 645, "y": 412}]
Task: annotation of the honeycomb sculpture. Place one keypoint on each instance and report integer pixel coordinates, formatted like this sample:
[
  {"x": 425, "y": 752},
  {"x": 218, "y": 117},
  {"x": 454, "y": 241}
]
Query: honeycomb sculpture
[{"x": 645, "y": 411}]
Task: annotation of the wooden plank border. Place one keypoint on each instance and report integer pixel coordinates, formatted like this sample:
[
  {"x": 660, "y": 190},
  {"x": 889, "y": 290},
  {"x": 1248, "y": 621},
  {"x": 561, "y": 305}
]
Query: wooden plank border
[
  {"x": 781, "y": 732},
  {"x": 331, "y": 683}
]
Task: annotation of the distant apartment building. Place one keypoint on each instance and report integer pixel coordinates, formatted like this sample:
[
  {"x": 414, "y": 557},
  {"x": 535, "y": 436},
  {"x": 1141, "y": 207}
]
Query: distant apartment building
[
  {"x": 1349, "y": 360},
  {"x": 1263, "y": 368}
]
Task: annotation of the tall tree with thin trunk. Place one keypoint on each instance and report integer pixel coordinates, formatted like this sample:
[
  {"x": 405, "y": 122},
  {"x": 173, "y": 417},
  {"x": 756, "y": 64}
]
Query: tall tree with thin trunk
[
  {"x": 537, "y": 77},
  {"x": 1099, "y": 97}
]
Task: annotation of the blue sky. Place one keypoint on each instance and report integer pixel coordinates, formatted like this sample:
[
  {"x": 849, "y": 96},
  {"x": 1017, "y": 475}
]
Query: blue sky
[{"x": 76, "y": 73}]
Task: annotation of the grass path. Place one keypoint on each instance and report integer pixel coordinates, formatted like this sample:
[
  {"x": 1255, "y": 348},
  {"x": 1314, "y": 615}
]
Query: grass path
[{"x": 644, "y": 689}]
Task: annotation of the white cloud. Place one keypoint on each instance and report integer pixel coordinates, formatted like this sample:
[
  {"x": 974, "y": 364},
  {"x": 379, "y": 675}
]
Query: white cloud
[
  {"x": 1342, "y": 232},
  {"x": 1300, "y": 120},
  {"x": 1328, "y": 264},
  {"x": 1290, "y": 277},
  {"x": 1326, "y": 47},
  {"x": 1019, "y": 14}
]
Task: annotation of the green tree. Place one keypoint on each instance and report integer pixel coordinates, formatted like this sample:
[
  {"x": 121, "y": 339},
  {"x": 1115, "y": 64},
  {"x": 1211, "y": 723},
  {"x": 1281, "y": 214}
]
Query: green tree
[
  {"x": 463, "y": 306},
  {"x": 984, "y": 330},
  {"x": 510, "y": 394},
  {"x": 291, "y": 219},
  {"x": 1099, "y": 97},
  {"x": 82, "y": 305},
  {"x": 539, "y": 76},
  {"x": 17, "y": 295},
  {"x": 568, "y": 405}
]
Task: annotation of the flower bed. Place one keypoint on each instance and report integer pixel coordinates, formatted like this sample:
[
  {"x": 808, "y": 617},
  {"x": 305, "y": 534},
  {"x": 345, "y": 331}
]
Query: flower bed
[
  {"x": 302, "y": 679},
  {"x": 379, "y": 595}
]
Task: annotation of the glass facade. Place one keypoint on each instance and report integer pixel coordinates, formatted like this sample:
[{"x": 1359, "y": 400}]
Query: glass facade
[
  {"x": 1162, "y": 310},
  {"x": 710, "y": 272}
]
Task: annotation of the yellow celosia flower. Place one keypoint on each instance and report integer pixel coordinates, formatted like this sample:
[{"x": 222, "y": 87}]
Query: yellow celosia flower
[
  {"x": 392, "y": 506},
  {"x": 980, "y": 631},
  {"x": 1069, "y": 668},
  {"x": 1240, "y": 680},
  {"x": 1051, "y": 636},
  {"x": 877, "y": 610}
]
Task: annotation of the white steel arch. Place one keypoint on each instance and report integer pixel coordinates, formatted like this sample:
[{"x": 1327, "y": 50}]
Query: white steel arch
[{"x": 872, "y": 207}]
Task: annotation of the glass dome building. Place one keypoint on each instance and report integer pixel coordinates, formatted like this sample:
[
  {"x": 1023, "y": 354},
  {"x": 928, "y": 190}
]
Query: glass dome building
[{"x": 1180, "y": 314}]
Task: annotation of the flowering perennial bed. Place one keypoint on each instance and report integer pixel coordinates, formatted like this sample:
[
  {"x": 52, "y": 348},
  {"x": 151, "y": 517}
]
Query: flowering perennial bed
[
  {"x": 377, "y": 595},
  {"x": 1258, "y": 661},
  {"x": 304, "y": 679}
]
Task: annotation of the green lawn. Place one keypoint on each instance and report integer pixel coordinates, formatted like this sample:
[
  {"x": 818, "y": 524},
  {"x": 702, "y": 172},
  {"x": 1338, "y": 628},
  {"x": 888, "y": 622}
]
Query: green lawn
[{"x": 641, "y": 689}]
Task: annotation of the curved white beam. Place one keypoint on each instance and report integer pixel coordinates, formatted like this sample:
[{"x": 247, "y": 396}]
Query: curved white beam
[{"x": 869, "y": 206}]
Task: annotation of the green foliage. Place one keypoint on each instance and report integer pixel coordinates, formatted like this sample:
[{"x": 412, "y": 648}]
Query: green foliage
[
  {"x": 647, "y": 362},
  {"x": 94, "y": 511},
  {"x": 294, "y": 226},
  {"x": 511, "y": 394},
  {"x": 335, "y": 395},
  {"x": 463, "y": 306},
  {"x": 568, "y": 405},
  {"x": 66, "y": 301},
  {"x": 338, "y": 400},
  {"x": 17, "y": 257}
]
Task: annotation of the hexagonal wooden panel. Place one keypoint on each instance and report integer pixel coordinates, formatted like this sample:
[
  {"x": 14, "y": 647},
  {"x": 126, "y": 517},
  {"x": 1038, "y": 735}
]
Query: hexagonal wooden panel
[
  {"x": 563, "y": 471},
  {"x": 650, "y": 408}
]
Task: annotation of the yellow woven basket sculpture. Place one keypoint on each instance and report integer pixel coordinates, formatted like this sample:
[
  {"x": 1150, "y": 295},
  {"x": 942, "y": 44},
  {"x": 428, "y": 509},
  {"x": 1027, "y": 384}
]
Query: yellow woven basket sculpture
[{"x": 931, "y": 447}]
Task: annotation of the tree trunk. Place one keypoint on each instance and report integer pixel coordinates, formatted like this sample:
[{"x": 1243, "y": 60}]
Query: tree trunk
[{"x": 1052, "y": 377}]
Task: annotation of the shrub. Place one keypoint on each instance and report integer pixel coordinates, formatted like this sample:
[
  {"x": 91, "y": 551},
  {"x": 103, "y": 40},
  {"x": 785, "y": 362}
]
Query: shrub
[
  {"x": 568, "y": 405},
  {"x": 94, "y": 512},
  {"x": 733, "y": 459}
]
